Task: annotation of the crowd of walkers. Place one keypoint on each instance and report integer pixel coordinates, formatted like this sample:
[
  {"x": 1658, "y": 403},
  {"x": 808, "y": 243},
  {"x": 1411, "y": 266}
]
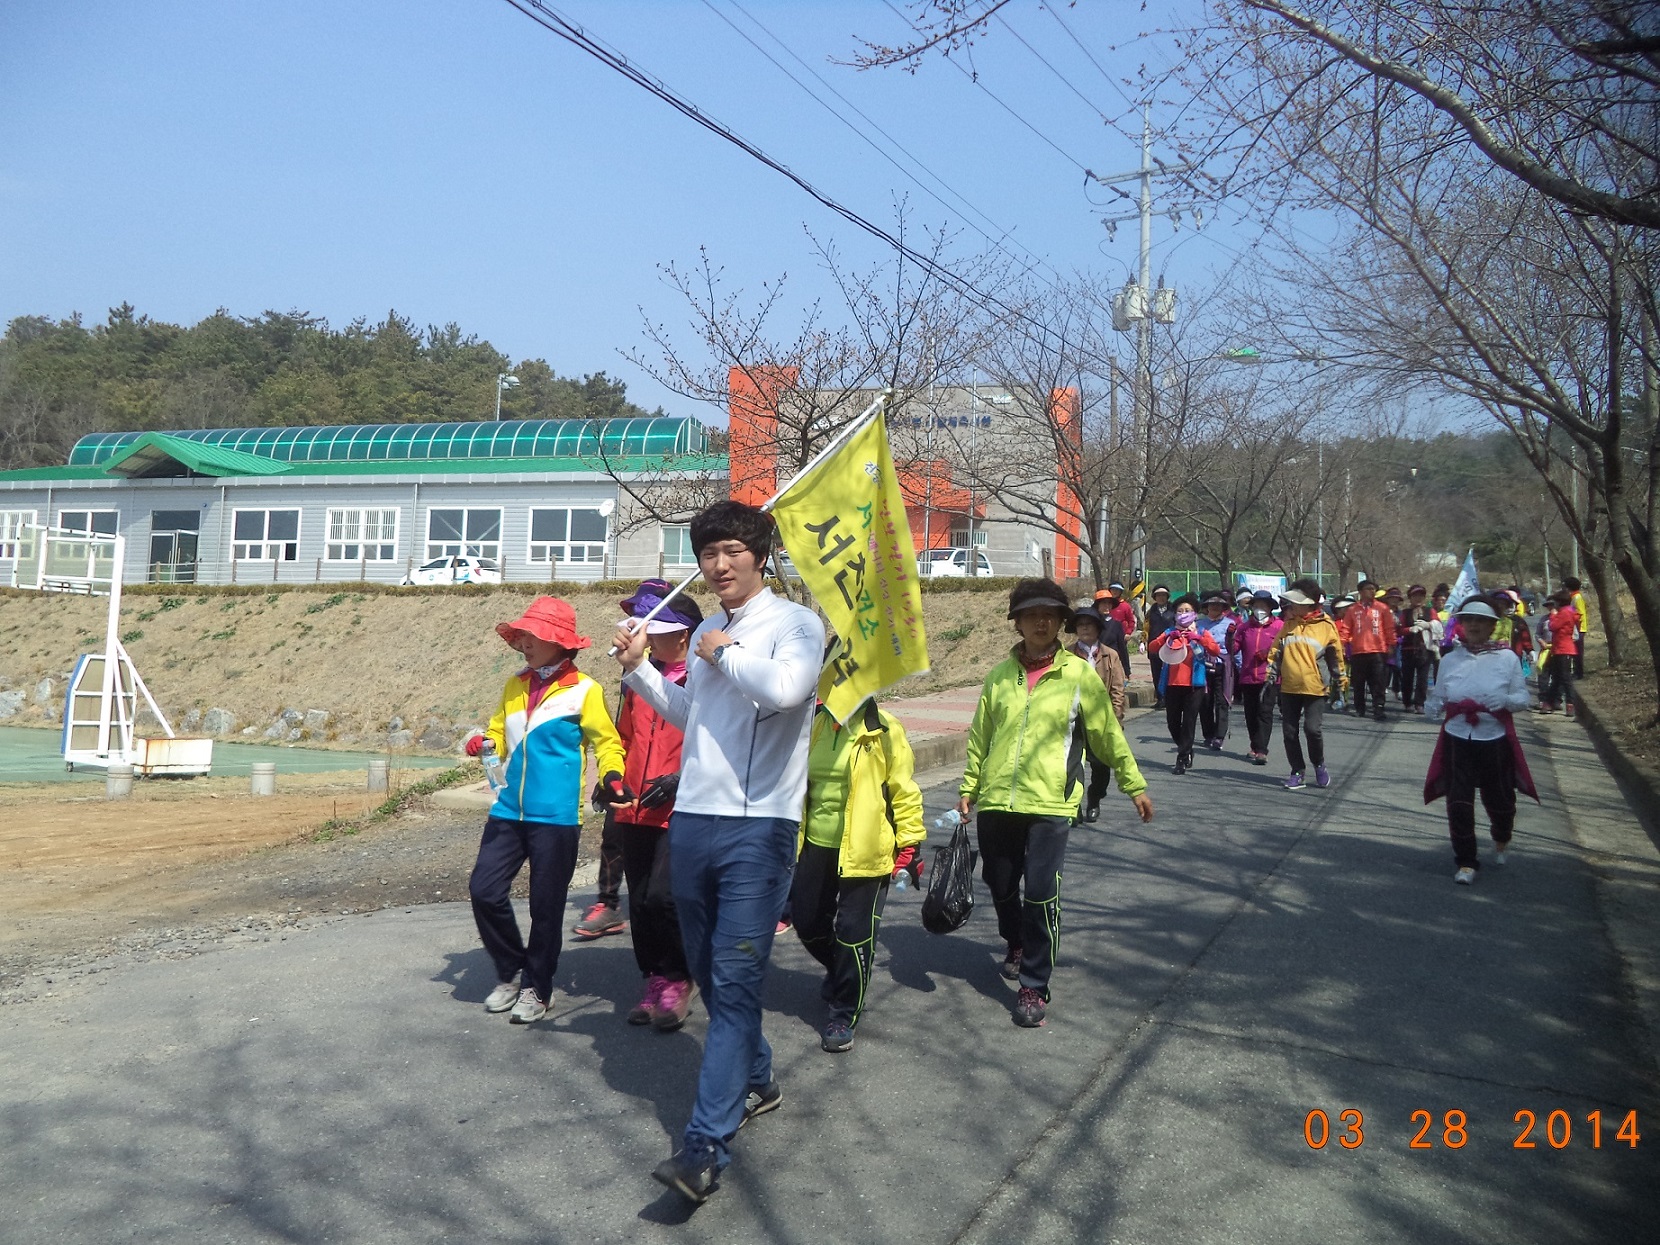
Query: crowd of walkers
[
  {"x": 1464, "y": 667},
  {"x": 732, "y": 797}
]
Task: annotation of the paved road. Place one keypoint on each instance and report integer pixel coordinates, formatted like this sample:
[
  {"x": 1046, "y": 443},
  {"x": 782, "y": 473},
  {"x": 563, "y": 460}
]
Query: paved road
[{"x": 1251, "y": 956}]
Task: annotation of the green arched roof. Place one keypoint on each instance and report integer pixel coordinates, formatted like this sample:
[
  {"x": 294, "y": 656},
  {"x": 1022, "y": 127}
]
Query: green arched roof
[{"x": 508, "y": 438}]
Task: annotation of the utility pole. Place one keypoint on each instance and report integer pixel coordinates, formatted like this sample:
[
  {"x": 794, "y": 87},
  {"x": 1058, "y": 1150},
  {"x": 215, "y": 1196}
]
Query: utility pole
[{"x": 1136, "y": 306}]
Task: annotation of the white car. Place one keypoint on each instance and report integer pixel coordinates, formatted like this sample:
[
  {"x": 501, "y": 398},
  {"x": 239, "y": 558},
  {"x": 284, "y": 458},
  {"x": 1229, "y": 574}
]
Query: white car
[
  {"x": 945, "y": 563},
  {"x": 465, "y": 569}
]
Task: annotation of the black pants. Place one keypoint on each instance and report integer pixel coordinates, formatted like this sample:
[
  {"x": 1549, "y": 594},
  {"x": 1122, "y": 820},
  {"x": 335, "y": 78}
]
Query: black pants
[
  {"x": 611, "y": 867},
  {"x": 1023, "y": 848},
  {"x": 1157, "y": 668},
  {"x": 1300, "y": 716},
  {"x": 1181, "y": 716},
  {"x": 1414, "y": 677},
  {"x": 836, "y": 919},
  {"x": 1487, "y": 766},
  {"x": 652, "y": 919},
  {"x": 1100, "y": 778},
  {"x": 1557, "y": 685},
  {"x": 1367, "y": 672},
  {"x": 1579, "y": 659},
  {"x": 1213, "y": 708},
  {"x": 503, "y": 851},
  {"x": 1257, "y": 704}
]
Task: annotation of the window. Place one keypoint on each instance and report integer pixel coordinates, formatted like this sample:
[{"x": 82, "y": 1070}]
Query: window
[
  {"x": 677, "y": 545},
  {"x": 265, "y": 536},
  {"x": 362, "y": 536},
  {"x": 99, "y": 522},
  {"x": 567, "y": 536},
  {"x": 451, "y": 533},
  {"x": 12, "y": 523},
  {"x": 959, "y": 537}
]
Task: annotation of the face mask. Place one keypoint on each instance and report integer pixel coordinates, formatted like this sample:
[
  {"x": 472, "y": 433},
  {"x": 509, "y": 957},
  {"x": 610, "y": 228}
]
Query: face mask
[
  {"x": 1261, "y": 615},
  {"x": 1185, "y": 618}
]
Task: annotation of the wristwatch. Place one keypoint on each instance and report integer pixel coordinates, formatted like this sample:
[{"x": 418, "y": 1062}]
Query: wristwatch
[{"x": 721, "y": 649}]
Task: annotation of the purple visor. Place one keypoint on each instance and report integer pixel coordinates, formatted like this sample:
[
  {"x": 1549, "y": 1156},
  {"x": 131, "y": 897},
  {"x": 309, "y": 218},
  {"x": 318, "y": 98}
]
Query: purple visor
[{"x": 680, "y": 612}]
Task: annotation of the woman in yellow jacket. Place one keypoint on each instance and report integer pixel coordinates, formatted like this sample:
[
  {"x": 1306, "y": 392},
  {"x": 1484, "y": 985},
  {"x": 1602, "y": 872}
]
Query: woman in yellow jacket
[{"x": 863, "y": 808}]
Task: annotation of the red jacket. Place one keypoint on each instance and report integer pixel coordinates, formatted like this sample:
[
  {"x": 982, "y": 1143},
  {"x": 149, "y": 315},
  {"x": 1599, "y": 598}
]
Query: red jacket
[
  {"x": 1181, "y": 674},
  {"x": 653, "y": 748},
  {"x": 1371, "y": 628},
  {"x": 1563, "y": 624}
]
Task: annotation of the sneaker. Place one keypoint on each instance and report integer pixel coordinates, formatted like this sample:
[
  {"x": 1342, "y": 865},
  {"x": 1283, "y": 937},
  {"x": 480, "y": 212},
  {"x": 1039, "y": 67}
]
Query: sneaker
[
  {"x": 643, "y": 1012},
  {"x": 783, "y": 924},
  {"x": 1465, "y": 876},
  {"x": 673, "y": 1005},
  {"x": 1499, "y": 855},
  {"x": 1294, "y": 782},
  {"x": 1322, "y": 776},
  {"x": 760, "y": 1099},
  {"x": 693, "y": 1176},
  {"x": 502, "y": 997},
  {"x": 1011, "y": 964},
  {"x": 1029, "y": 1008},
  {"x": 529, "y": 1009},
  {"x": 600, "y": 921},
  {"x": 1215, "y": 745},
  {"x": 837, "y": 1037},
  {"x": 1260, "y": 758},
  {"x": 1569, "y": 713},
  {"x": 1092, "y": 811},
  {"x": 1179, "y": 768}
]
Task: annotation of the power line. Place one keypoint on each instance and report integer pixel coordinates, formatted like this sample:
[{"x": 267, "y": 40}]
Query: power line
[
  {"x": 1065, "y": 81},
  {"x": 1002, "y": 235},
  {"x": 1090, "y": 56},
  {"x": 998, "y": 100},
  {"x": 557, "y": 24}
]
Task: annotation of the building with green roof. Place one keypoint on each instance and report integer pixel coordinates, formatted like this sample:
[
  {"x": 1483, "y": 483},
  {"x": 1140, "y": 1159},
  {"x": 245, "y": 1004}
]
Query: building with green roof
[{"x": 543, "y": 500}]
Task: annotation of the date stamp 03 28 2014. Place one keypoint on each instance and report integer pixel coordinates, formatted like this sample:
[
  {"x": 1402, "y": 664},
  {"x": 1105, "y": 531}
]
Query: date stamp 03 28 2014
[{"x": 1556, "y": 1129}]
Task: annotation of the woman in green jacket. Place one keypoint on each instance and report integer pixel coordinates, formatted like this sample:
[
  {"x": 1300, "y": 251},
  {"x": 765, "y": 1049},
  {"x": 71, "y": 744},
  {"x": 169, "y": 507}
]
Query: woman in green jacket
[
  {"x": 863, "y": 808},
  {"x": 1041, "y": 710}
]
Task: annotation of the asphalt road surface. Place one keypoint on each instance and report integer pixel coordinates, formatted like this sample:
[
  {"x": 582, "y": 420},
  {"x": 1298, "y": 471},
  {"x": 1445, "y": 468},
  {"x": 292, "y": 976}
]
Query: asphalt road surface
[{"x": 1250, "y": 957}]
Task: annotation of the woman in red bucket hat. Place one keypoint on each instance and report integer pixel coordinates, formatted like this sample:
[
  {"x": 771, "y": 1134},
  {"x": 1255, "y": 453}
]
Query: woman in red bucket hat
[{"x": 550, "y": 718}]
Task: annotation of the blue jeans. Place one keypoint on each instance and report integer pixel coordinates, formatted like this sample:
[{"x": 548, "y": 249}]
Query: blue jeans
[{"x": 730, "y": 877}]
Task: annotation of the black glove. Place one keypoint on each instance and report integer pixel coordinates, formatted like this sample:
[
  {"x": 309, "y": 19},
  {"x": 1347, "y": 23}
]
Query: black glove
[
  {"x": 660, "y": 791},
  {"x": 611, "y": 790}
]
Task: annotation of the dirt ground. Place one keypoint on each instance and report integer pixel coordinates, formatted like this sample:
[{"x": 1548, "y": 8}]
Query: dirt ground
[
  {"x": 178, "y": 868},
  {"x": 1625, "y": 698},
  {"x": 431, "y": 661}
]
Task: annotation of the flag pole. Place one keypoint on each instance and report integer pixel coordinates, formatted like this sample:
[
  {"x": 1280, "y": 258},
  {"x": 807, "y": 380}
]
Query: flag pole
[{"x": 835, "y": 442}]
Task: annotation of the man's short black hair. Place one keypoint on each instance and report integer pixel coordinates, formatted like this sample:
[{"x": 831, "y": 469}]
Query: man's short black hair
[
  {"x": 732, "y": 520},
  {"x": 1572, "y": 584},
  {"x": 1309, "y": 587},
  {"x": 1367, "y": 583}
]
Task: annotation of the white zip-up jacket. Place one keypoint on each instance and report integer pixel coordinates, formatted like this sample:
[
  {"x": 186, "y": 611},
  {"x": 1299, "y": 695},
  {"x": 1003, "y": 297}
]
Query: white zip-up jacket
[{"x": 747, "y": 724}]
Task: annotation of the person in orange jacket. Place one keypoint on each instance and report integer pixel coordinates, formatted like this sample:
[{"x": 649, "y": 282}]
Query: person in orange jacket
[{"x": 1371, "y": 640}]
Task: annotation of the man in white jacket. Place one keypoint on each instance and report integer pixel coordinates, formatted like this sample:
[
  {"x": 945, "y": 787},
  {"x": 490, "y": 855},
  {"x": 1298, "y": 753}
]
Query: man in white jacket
[
  {"x": 746, "y": 709},
  {"x": 1480, "y": 690}
]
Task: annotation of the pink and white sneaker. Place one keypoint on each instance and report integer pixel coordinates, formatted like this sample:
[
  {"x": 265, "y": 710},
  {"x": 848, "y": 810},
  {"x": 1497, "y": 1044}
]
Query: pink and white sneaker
[{"x": 645, "y": 1011}]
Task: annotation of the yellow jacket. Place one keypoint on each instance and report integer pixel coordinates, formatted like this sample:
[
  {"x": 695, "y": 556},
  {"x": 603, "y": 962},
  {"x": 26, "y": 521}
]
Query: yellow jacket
[
  {"x": 1295, "y": 658},
  {"x": 545, "y": 749},
  {"x": 882, "y": 809}
]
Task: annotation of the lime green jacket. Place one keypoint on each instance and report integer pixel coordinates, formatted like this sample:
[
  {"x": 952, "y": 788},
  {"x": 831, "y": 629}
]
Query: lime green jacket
[
  {"x": 882, "y": 808},
  {"x": 1026, "y": 749}
]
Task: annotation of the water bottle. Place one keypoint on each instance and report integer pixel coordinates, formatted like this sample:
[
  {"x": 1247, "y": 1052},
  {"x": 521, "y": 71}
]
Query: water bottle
[
  {"x": 903, "y": 881},
  {"x": 950, "y": 819},
  {"x": 492, "y": 766}
]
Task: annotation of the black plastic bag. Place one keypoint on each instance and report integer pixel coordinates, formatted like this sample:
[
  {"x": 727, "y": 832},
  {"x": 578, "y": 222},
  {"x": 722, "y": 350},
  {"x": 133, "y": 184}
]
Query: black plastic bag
[{"x": 950, "y": 898}]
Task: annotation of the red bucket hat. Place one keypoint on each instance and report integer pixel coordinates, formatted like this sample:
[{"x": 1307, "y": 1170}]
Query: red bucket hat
[{"x": 550, "y": 619}]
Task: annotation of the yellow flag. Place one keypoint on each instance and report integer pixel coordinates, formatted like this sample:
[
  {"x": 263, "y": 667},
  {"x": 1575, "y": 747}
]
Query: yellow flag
[{"x": 845, "y": 528}]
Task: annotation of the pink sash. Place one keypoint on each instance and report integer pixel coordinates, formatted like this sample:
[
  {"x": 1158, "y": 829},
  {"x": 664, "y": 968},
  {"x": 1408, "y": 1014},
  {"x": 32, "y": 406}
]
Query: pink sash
[{"x": 1435, "y": 782}]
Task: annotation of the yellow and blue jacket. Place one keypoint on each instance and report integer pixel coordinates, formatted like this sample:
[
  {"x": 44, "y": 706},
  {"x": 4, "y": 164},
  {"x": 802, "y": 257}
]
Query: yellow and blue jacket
[{"x": 545, "y": 749}]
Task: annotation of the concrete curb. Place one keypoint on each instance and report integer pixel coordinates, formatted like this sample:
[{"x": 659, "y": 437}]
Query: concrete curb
[{"x": 1641, "y": 779}]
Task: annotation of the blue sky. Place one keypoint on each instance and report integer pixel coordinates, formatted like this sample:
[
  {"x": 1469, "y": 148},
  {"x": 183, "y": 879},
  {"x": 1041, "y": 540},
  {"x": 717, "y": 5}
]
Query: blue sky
[{"x": 457, "y": 162}]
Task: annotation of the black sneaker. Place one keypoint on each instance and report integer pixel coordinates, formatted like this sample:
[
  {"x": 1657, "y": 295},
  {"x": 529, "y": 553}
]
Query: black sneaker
[
  {"x": 1029, "y": 1008},
  {"x": 1011, "y": 964},
  {"x": 837, "y": 1037},
  {"x": 764, "y": 1098},
  {"x": 692, "y": 1176}
]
